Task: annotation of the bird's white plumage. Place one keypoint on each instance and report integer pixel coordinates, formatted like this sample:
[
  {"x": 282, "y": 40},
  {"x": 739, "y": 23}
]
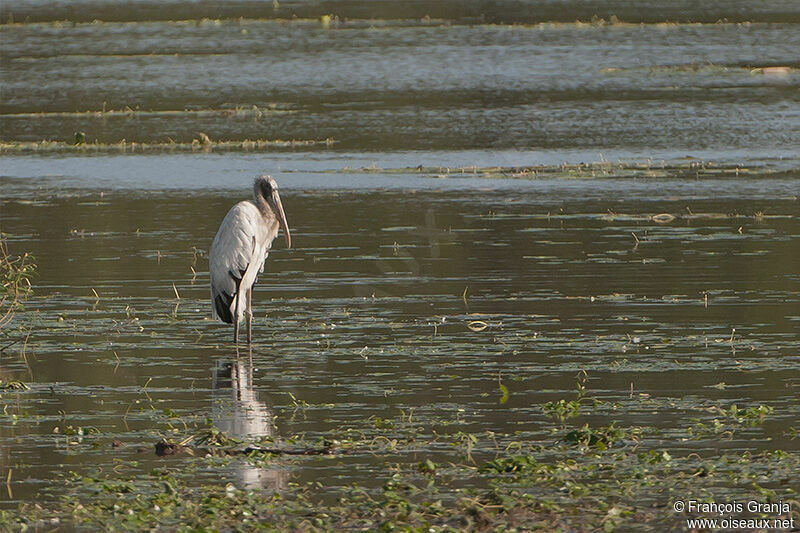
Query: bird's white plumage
[{"x": 238, "y": 253}]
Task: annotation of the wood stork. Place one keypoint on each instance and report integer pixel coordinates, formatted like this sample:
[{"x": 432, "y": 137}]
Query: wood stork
[{"x": 239, "y": 250}]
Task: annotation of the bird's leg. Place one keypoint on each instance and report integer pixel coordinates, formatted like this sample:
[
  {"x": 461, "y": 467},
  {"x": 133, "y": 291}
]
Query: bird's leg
[
  {"x": 236, "y": 319},
  {"x": 249, "y": 314}
]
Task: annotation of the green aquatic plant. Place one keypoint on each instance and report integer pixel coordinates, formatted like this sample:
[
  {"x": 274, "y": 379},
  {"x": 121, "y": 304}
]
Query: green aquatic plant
[
  {"x": 750, "y": 415},
  {"x": 426, "y": 467},
  {"x": 503, "y": 390},
  {"x": 729, "y": 421},
  {"x": 601, "y": 438},
  {"x": 213, "y": 437},
  {"x": 521, "y": 464},
  {"x": 563, "y": 409},
  {"x": 524, "y": 490},
  {"x": 80, "y": 431}
]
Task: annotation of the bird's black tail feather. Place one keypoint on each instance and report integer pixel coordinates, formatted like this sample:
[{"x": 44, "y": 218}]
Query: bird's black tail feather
[
  {"x": 223, "y": 301},
  {"x": 222, "y": 304}
]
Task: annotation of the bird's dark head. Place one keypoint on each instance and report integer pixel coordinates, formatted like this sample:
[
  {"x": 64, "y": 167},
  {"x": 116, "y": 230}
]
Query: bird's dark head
[
  {"x": 265, "y": 184},
  {"x": 267, "y": 188}
]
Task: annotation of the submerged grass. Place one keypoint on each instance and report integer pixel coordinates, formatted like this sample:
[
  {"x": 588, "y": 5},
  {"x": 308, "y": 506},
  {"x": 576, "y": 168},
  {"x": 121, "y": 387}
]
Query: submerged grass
[
  {"x": 203, "y": 143},
  {"x": 691, "y": 68},
  {"x": 333, "y": 21},
  {"x": 238, "y": 111},
  {"x": 691, "y": 168}
]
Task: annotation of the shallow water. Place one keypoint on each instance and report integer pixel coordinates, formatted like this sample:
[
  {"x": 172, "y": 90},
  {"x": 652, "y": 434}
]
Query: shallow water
[
  {"x": 368, "y": 316},
  {"x": 365, "y": 316}
]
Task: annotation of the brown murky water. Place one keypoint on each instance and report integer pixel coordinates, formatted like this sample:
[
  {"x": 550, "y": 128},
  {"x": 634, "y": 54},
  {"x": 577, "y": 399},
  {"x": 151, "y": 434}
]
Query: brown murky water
[{"x": 368, "y": 315}]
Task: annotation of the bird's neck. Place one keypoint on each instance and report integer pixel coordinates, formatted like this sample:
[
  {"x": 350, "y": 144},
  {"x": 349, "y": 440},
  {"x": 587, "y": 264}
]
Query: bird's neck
[{"x": 262, "y": 205}]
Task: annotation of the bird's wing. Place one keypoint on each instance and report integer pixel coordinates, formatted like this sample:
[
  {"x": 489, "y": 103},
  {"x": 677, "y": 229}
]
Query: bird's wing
[{"x": 232, "y": 252}]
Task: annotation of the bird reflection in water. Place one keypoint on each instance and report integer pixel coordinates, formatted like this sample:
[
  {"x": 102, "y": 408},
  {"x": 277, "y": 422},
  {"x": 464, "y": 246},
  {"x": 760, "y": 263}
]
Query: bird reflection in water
[{"x": 238, "y": 412}]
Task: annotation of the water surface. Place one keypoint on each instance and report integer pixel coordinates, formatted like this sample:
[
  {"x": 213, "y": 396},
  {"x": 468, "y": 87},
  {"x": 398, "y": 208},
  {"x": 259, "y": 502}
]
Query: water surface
[{"x": 367, "y": 314}]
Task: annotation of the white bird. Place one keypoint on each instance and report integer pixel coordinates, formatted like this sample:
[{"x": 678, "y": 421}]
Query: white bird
[{"x": 239, "y": 250}]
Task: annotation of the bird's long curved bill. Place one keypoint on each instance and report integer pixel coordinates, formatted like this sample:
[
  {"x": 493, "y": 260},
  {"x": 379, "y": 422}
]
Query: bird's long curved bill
[{"x": 278, "y": 206}]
